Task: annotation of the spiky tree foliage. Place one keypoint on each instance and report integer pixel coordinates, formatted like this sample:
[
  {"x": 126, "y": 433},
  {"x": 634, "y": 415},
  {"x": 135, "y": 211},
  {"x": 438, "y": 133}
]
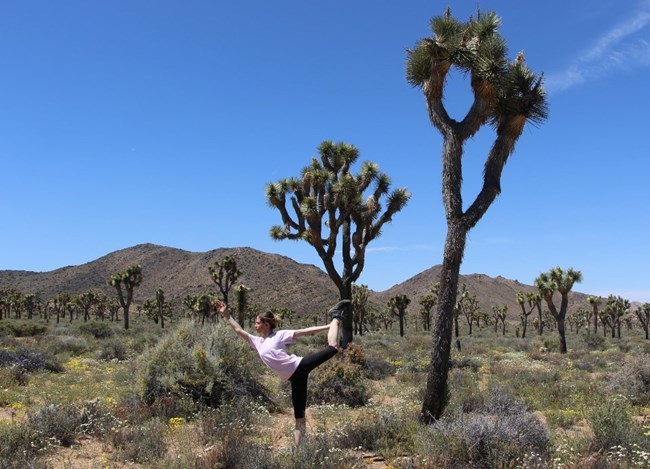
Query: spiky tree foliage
[
  {"x": 86, "y": 301},
  {"x": 241, "y": 303},
  {"x": 507, "y": 95},
  {"x": 615, "y": 309},
  {"x": 397, "y": 305},
  {"x": 534, "y": 300},
  {"x": 125, "y": 283},
  {"x": 327, "y": 203},
  {"x": 582, "y": 319},
  {"x": 643, "y": 315},
  {"x": 523, "y": 299},
  {"x": 11, "y": 301},
  {"x": 157, "y": 308},
  {"x": 470, "y": 310},
  {"x": 427, "y": 303},
  {"x": 204, "y": 306},
  {"x": 360, "y": 295},
  {"x": 595, "y": 302},
  {"x": 60, "y": 304},
  {"x": 224, "y": 274},
  {"x": 557, "y": 280},
  {"x": 499, "y": 314}
]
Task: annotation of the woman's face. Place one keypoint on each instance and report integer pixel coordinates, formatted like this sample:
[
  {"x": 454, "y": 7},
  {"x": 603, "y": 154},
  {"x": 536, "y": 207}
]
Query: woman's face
[{"x": 262, "y": 327}]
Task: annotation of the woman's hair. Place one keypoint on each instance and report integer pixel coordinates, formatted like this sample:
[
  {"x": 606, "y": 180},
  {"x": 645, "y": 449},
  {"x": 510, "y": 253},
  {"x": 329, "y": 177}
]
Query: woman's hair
[{"x": 269, "y": 318}]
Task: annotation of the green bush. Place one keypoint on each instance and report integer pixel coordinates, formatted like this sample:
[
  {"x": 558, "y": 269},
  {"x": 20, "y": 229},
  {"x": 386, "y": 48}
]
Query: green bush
[
  {"x": 610, "y": 421},
  {"x": 58, "y": 423},
  {"x": 16, "y": 446},
  {"x": 99, "y": 330},
  {"x": 140, "y": 444},
  {"x": 385, "y": 430},
  {"x": 22, "y": 329},
  {"x": 632, "y": 381},
  {"x": 338, "y": 381},
  {"x": 209, "y": 364},
  {"x": 494, "y": 435},
  {"x": 595, "y": 342},
  {"x": 113, "y": 350}
]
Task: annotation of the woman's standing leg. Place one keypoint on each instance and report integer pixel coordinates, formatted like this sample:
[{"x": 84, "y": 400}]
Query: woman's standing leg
[{"x": 300, "y": 376}]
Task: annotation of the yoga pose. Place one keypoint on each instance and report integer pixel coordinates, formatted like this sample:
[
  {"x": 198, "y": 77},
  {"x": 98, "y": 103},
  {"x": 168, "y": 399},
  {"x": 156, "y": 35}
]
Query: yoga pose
[{"x": 270, "y": 345}]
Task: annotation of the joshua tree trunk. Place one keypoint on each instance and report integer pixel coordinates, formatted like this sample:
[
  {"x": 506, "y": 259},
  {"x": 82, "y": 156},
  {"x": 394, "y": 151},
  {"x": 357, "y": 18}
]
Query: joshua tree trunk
[{"x": 433, "y": 405}]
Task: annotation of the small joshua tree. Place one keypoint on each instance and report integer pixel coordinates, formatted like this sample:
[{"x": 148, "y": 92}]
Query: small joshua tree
[{"x": 125, "y": 283}]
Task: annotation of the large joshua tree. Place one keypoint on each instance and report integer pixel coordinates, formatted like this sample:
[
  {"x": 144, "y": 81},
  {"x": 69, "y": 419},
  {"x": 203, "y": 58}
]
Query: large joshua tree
[
  {"x": 557, "y": 280},
  {"x": 507, "y": 95},
  {"x": 327, "y": 201}
]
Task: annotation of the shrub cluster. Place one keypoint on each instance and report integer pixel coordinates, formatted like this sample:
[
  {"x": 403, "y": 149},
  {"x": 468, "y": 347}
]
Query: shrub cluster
[
  {"x": 340, "y": 381},
  {"x": 53, "y": 425},
  {"x": 209, "y": 364},
  {"x": 21, "y": 329},
  {"x": 99, "y": 330},
  {"x": 494, "y": 435},
  {"x": 632, "y": 381},
  {"x": 29, "y": 361}
]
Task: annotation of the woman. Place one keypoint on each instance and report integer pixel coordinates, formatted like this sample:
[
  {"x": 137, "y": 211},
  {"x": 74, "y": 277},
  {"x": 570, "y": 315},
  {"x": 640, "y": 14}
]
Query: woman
[{"x": 270, "y": 345}]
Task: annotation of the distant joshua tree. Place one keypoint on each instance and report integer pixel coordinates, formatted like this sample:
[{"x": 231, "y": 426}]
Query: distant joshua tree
[
  {"x": 224, "y": 274},
  {"x": 595, "y": 302},
  {"x": 398, "y": 305},
  {"x": 359, "y": 307},
  {"x": 643, "y": 314},
  {"x": 557, "y": 280},
  {"x": 427, "y": 303},
  {"x": 125, "y": 283}
]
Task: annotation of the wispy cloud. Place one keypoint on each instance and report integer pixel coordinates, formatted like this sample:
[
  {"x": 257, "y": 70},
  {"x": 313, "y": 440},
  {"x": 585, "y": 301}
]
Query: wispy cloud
[
  {"x": 625, "y": 46},
  {"x": 418, "y": 247}
]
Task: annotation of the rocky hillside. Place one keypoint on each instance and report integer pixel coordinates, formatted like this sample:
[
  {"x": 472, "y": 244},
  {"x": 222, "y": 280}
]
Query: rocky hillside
[{"x": 275, "y": 280}]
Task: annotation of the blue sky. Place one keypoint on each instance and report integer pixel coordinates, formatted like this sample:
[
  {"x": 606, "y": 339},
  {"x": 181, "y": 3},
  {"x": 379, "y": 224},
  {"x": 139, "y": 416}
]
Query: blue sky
[{"x": 127, "y": 122}]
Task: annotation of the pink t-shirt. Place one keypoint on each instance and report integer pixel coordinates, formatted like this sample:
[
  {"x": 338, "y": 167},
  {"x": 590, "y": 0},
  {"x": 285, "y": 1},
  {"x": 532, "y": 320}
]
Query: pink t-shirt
[{"x": 271, "y": 351}]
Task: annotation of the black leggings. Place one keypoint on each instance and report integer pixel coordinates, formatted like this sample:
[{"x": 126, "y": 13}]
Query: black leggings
[{"x": 299, "y": 378}]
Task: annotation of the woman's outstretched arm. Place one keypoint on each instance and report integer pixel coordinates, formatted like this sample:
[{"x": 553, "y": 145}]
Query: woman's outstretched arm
[
  {"x": 311, "y": 330},
  {"x": 221, "y": 308}
]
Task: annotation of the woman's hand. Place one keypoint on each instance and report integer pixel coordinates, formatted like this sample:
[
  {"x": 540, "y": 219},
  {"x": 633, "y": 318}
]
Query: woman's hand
[{"x": 220, "y": 307}]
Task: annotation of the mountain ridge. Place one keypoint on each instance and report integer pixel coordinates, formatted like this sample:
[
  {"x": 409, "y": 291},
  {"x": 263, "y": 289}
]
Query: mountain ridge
[{"x": 275, "y": 280}]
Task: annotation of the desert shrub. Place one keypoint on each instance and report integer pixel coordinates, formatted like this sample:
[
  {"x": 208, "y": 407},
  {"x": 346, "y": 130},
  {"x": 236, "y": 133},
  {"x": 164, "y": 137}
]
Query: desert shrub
[
  {"x": 610, "y": 421},
  {"x": 99, "y": 330},
  {"x": 563, "y": 418},
  {"x": 594, "y": 342},
  {"x": 209, "y": 364},
  {"x": 55, "y": 423},
  {"x": 22, "y": 329},
  {"x": 29, "y": 361},
  {"x": 632, "y": 381},
  {"x": 140, "y": 444},
  {"x": 464, "y": 391},
  {"x": 96, "y": 419},
  {"x": 113, "y": 350},
  {"x": 380, "y": 429},
  {"x": 315, "y": 452},
  {"x": 494, "y": 435},
  {"x": 338, "y": 381},
  {"x": 70, "y": 344},
  {"x": 378, "y": 368},
  {"x": 481, "y": 440},
  {"x": 16, "y": 447},
  {"x": 237, "y": 451}
]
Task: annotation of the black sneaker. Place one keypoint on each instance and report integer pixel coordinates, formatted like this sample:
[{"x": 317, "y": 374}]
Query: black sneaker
[{"x": 339, "y": 310}]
